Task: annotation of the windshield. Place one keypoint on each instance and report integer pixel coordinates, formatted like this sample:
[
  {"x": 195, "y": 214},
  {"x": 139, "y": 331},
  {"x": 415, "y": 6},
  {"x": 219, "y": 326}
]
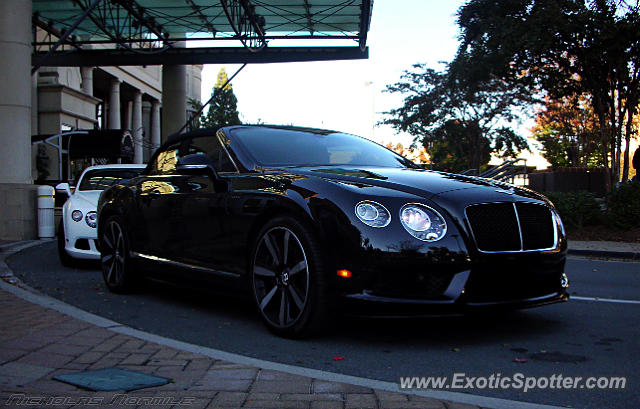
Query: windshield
[
  {"x": 275, "y": 147},
  {"x": 100, "y": 179}
]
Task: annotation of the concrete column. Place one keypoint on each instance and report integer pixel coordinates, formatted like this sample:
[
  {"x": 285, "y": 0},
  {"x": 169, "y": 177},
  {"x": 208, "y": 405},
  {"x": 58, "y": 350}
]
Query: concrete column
[
  {"x": 126, "y": 120},
  {"x": 114, "y": 105},
  {"x": 174, "y": 97},
  {"x": 34, "y": 104},
  {"x": 15, "y": 83},
  {"x": 87, "y": 80},
  {"x": 136, "y": 126},
  {"x": 155, "y": 125},
  {"x": 34, "y": 124},
  {"x": 146, "y": 126}
]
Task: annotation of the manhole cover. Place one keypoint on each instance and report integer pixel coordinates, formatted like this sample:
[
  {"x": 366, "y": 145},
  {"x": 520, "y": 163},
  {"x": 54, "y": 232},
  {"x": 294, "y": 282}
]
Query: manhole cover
[{"x": 112, "y": 379}]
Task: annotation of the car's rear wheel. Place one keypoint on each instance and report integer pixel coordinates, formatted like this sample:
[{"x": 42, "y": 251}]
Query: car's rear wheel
[
  {"x": 114, "y": 258},
  {"x": 288, "y": 280},
  {"x": 65, "y": 259}
]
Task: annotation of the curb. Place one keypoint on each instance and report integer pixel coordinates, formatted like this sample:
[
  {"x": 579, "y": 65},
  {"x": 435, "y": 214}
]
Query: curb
[
  {"x": 626, "y": 255},
  {"x": 16, "y": 287}
]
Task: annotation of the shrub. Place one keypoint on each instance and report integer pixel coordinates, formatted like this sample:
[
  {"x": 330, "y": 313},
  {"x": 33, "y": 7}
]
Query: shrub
[
  {"x": 623, "y": 205},
  {"x": 577, "y": 209}
]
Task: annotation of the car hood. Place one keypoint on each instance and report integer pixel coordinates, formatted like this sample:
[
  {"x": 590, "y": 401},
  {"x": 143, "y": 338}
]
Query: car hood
[
  {"x": 88, "y": 198},
  {"x": 420, "y": 182}
]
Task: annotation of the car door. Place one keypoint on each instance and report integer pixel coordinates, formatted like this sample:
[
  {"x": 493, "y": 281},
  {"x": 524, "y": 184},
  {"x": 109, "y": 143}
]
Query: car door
[
  {"x": 157, "y": 200},
  {"x": 207, "y": 239}
]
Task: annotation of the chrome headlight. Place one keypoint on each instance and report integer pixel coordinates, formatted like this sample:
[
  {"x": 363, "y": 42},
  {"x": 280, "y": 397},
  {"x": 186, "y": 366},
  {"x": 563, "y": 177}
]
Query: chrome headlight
[
  {"x": 91, "y": 218},
  {"x": 422, "y": 222},
  {"x": 76, "y": 215},
  {"x": 373, "y": 214}
]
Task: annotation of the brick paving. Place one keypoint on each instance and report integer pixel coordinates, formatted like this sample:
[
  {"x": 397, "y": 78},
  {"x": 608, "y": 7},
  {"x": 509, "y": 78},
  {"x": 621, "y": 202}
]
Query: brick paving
[{"x": 37, "y": 343}]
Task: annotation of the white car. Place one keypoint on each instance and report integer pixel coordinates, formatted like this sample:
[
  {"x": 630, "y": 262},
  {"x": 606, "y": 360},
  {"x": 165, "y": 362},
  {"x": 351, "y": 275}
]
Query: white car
[{"x": 77, "y": 233}]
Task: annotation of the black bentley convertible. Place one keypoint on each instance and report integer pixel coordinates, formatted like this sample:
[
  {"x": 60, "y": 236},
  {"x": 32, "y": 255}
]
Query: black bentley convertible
[{"x": 314, "y": 222}]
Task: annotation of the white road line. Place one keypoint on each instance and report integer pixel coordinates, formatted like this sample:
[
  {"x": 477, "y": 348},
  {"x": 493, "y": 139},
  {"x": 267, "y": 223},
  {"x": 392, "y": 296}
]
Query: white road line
[{"x": 598, "y": 299}]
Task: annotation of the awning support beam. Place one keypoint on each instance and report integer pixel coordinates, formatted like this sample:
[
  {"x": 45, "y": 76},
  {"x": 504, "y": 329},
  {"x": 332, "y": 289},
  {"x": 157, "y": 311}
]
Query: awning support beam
[
  {"x": 187, "y": 56},
  {"x": 66, "y": 34}
]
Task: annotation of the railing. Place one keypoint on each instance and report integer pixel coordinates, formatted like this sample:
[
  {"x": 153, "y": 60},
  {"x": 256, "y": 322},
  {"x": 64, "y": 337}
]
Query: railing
[{"x": 507, "y": 171}]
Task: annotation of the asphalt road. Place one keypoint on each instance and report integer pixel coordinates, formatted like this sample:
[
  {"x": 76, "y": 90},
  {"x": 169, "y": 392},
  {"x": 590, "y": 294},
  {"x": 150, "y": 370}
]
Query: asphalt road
[{"x": 578, "y": 338}]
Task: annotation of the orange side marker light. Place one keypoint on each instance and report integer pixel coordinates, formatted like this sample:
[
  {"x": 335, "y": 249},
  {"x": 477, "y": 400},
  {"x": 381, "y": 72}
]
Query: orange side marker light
[{"x": 344, "y": 273}]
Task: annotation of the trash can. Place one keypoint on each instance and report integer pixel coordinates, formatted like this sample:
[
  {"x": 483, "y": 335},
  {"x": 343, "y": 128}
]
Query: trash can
[{"x": 46, "y": 225}]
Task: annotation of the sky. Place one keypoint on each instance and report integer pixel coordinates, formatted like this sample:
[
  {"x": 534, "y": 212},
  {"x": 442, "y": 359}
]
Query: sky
[{"x": 348, "y": 95}]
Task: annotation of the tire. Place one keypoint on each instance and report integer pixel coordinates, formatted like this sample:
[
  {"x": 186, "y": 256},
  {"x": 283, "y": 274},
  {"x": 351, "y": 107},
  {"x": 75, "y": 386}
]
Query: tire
[
  {"x": 65, "y": 259},
  {"x": 288, "y": 281},
  {"x": 114, "y": 257}
]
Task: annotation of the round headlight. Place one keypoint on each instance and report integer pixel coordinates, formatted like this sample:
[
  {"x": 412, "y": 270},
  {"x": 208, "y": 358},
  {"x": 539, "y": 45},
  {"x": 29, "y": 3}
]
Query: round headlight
[
  {"x": 422, "y": 222},
  {"x": 373, "y": 214},
  {"x": 76, "y": 215},
  {"x": 91, "y": 218}
]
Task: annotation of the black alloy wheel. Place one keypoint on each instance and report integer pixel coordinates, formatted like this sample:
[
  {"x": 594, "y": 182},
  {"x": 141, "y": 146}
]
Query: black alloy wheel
[
  {"x": 287, "y": 279},
  {"x": 114, "y": 257}
]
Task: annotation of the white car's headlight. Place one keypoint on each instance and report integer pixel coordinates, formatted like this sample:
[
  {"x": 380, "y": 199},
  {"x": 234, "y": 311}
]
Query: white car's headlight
[
  {"x": 373, "y": 214},
  {"x": 423, "y": 222},
  {"x": 91, "y": 218},
  {"x": 76, "y": 215}
]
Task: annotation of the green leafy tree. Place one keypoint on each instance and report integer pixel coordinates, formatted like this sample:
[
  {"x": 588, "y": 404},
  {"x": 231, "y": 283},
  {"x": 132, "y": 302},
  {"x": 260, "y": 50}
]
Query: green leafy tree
[
  {"x": 562, "y": 48},
  {"x": 460, "y": 126},
  {"x": 569, "y": 133},
  {"x": 223, "y": 109}
]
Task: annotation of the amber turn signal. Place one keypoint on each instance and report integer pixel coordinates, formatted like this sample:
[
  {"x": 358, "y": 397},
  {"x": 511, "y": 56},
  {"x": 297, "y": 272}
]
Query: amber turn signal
[{"x": 344, "y": 273}]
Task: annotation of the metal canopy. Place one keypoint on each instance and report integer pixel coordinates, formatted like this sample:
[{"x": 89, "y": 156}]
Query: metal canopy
[{"x": 149, "y": 27}]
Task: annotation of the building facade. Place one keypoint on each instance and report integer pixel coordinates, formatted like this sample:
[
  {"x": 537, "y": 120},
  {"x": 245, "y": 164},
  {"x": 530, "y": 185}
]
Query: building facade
[{"x": 127, "y": 98}]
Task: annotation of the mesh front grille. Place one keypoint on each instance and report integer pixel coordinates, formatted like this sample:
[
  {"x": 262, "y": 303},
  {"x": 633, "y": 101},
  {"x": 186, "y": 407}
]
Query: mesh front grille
[
  {"x": 536, "y": 225},
  {"x": 495, "y": 226}
]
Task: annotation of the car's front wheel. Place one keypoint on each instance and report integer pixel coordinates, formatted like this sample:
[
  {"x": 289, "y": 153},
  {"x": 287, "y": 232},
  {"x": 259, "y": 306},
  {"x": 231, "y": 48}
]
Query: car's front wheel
[
  {"x": 288, "y": 280},
  {"x": 114, "y": 258}
]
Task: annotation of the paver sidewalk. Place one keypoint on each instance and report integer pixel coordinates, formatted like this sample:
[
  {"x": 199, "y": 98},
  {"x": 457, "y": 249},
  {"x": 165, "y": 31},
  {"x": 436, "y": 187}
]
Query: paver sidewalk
[{"x": 37, "y": 343}]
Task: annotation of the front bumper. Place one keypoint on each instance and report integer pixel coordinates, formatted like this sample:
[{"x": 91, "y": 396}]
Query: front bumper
[
  {"x": 82, "y": 248},
  {"x": 410, "y": 287},
  {"x": 369, "y": 305}
]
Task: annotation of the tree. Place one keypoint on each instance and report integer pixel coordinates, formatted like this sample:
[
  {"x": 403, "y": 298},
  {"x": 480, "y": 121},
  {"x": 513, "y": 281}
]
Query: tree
[
  {"x": 460, "y": 126},
  {"x": 562, "y": 48},
  {"x": 569, "y": 132},
  {"x": 416, "y": 155},
  {"x": 223, "y": 109}
]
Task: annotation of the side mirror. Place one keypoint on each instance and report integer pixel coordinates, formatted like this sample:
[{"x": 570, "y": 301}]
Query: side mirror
[
  {"x": 196, "y": 163},
  {"x": 64, "y": 187}
]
